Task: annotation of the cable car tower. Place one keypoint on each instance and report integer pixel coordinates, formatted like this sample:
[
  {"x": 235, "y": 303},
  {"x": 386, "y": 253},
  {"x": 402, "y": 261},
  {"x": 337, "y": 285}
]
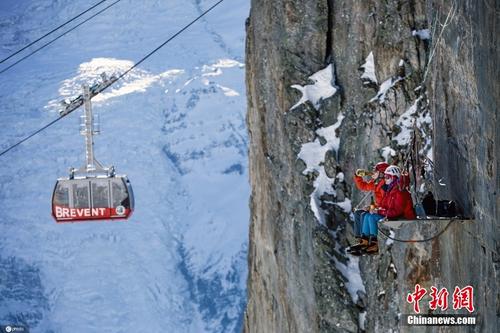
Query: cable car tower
[{"x": 91, "y": 192}]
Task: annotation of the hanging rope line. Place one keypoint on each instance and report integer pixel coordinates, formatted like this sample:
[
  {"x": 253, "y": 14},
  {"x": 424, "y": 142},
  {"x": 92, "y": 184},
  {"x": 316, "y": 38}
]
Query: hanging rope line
[
  {"x": 410, "y": 157},
  {"x": 449, "y": 18},
  {"x": 362, "y": 200},
  {"x": 53, "y": 30},
  {"x": 60, "y": 36},
  {"x": 119, "y": 77},
  {"x": 419, "y": 240}
]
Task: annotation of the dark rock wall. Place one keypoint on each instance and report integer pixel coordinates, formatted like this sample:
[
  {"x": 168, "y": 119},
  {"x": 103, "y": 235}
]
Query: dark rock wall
[
  {"x": 464, "y": 97},
  {"x": 285, "y": 40},
  {"x": 293, "y": 284}
]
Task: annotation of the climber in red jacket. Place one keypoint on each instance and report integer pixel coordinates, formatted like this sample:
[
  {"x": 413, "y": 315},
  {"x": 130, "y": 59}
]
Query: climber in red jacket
[
  {"x": 373, "y": 185},
  {"x": 396, "y": 203}
]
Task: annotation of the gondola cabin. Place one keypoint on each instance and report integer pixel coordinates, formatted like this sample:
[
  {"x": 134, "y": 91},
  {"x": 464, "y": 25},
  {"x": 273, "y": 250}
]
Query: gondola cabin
[{"x": 92, "y": 198}]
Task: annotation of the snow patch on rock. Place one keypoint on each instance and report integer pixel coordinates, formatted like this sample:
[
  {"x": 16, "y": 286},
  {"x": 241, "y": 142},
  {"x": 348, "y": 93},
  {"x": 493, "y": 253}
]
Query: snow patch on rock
[
  {"x": 322, "y": 88},
  {"x": 423, "y": 34},
  {"x": 369, "y": 69},
  {"x": 384, "y": 88},
  {"x": 313, "y": 154},
  {"x": 345, "y": 205},
  {"x": 388, "y": 152}
]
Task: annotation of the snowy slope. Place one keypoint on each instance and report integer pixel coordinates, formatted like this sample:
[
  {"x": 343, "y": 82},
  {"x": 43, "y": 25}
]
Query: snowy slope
[{"x": 175, "y": 126}]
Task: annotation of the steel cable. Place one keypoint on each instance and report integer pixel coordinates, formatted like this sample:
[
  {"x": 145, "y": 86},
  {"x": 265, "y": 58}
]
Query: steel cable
[
  {"x": 418, "y": 240},
  {"x": 61, "y": 35},
  {"x": 119, "y": 77},
  {"x": 50, "y": 32}
]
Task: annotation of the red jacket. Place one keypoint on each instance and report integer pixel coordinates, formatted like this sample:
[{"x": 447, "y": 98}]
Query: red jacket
[
  {"x": 370, "y": 185},
  {"x": 397, "y": 203}
]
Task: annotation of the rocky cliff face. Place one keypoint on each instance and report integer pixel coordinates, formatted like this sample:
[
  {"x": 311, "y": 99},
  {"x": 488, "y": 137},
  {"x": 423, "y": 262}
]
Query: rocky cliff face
[{"x": 435, "y": 75}]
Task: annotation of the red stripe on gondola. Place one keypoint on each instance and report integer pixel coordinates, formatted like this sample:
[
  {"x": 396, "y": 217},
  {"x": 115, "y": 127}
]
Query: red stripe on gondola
[{"x": 65, "y": 214}]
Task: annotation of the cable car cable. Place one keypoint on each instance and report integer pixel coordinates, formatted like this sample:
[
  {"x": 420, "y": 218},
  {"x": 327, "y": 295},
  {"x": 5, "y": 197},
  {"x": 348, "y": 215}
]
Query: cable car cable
[
  {"x": 119, "y": 77},
  {"x": 166, "y": 42},
  {"x": 53, "y": 30},
  {"x": 31, "y": 135},
  {"x": 61, "y": 35}
]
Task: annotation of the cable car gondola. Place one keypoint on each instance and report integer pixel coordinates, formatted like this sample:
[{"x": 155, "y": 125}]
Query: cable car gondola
[
  {"x": 92, "y": 198},
  {"x": 91, "y": 192}
]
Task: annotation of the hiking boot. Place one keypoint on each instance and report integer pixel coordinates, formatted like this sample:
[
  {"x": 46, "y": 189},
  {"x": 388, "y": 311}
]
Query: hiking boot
[
  {"x": 358, "y": 252},
  {"x": 361, "y": 245},
  {"x": 372, "y": 248}
]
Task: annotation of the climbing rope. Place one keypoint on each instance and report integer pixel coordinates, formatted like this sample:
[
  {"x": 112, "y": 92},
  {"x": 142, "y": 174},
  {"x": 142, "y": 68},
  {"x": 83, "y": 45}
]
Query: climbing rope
[
  {"x": 451, "y": 15},
  {"x": 362, "y": 201},
  {"x": 419, "y": 240}
]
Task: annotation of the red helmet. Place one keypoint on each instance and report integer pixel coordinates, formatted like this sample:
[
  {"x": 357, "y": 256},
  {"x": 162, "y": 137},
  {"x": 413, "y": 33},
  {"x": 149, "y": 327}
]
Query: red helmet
[{"x": 381, "y": 166}]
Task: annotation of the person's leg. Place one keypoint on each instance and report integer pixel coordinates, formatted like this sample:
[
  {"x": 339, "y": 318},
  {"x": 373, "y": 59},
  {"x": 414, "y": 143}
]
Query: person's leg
[
  {"x": 372, "y": 221},
  {"x": 364, "y": 231},
  {"x": 373, "y": 224},
  {"x": 358, "y": 222},
  {"x": 365, "y": 227},
  {"x": 362, "y": 217}
]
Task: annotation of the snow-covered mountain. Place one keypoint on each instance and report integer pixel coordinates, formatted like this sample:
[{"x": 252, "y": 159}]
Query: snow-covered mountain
[{"x": 175, "y": 126}]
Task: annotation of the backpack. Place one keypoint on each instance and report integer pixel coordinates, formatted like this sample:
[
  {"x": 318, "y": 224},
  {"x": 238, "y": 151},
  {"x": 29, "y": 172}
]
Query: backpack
[{"x": 440, "y": 208}]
